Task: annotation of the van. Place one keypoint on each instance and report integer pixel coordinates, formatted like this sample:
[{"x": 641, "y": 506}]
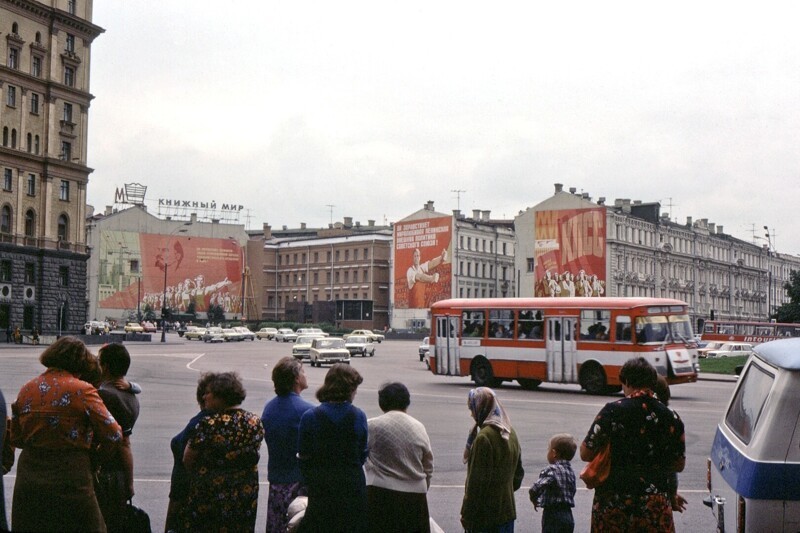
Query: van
[{"x": 754, "y": 467}]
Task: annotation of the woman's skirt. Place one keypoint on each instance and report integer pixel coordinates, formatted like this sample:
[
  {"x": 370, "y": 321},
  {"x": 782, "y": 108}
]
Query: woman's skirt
[
  {"x": 54, "y": 491},
  {"x": 401, "y": 512}
]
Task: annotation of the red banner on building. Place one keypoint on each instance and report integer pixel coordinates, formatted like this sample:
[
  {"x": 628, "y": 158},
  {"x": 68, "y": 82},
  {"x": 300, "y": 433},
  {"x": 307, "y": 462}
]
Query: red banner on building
[{"x": 422, "y": 255}]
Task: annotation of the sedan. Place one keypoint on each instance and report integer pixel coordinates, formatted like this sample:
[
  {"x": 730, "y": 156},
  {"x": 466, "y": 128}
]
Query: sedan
[
  {"x": 302, "y": 346},
  {"x": 246, "y": 334},
  {"x": 732, "y": 349},
  {"x": 230, "y": 335},
  {"x": 266, "y": 333},
  {"x": 194, "y": 332},
  {"x": 211, "y": 333},
  {"x": 133, "y": 327},
  {"x": 360, "y": 345},
  {"x": 328, "y": 350},
  {"x": 285, "y": 335}
]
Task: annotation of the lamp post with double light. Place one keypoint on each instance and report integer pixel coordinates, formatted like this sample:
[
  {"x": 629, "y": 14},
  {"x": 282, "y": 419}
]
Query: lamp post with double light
[{"x": 166, "y": 266}]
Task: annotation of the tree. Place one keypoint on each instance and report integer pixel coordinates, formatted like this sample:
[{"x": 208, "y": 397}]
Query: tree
[
  {"x": 192, "y": 309},
  {"x": 216, "y": 314},
  {"x": 790, "y": 312},
  {"x": 149, "y": 314}
]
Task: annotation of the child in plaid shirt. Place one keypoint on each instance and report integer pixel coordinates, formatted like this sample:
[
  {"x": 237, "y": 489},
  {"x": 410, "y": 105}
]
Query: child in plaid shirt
[{"x": 554, "y": 491}]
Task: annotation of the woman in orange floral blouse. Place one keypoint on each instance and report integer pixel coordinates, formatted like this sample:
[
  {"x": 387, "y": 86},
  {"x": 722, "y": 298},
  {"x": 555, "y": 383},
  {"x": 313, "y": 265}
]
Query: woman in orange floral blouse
[{"x": 57, "y": 420}]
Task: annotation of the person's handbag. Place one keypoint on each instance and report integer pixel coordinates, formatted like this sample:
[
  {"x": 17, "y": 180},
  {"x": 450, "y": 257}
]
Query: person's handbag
[
  {"x": 134, "y": 519},
  {"x": 597, "y": 470}
]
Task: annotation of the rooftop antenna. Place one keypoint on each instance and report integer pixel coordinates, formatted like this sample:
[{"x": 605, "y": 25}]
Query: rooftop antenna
[
  {"x": 670, "y": 205},
  {"x": 458, "y": 197},
  {"x": 330, "y": 207}
]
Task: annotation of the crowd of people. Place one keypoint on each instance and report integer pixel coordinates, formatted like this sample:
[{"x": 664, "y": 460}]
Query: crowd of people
[{"x": 330, "y": 468}]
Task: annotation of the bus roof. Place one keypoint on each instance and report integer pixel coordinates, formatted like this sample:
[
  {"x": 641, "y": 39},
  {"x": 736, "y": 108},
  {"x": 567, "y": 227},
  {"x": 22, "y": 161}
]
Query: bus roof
[
  {"x": 782, "y": 353},
  {"x": 539, "y": 303}
]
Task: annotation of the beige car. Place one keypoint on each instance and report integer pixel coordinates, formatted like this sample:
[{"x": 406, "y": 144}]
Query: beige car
[
  {"x": 194, "y": 333},
  {"x": 133, "y": 327},
  {"x": 374, "y": 337},
  {"x": 328, "y": 350}
]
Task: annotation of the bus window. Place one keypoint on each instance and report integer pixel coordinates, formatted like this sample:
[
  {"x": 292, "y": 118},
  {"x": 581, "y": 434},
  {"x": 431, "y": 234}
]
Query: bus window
[
  {"x": 473, "y": 324},
  {"x": 748, "y": 402},
  {"x": 725, "y": 329},
  {"x": 680, "y": 328},
  {"x": 651, "y": 329},
  {"x": 501, "y": 323},
  {"x": 594, "y": 324},
  {"x": 623, "y": 328},
  {"x": 530, "y": 325}
]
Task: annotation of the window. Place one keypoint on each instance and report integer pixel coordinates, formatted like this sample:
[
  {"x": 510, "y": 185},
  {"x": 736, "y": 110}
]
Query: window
[
  {"x": 501, "y": 323},
  {"x": 337, "y": 256},
  {"x": 316, "y": 257},
  {"x": 134, "y": 266},
  {"x": 67, "y": 113},
  {"x": 355, "y": 254},
  {"x": 30, "y": 223},
  {"x": 366, "y": 253},
  {"x": 31, "y": 184},
  {"x": 623, "y": 329},
  {"x": 14, "y": 138},
  {"x": 66, "y": 155},
  {"x": 63, "y": 276},
  {"x": 30, "y": 273},
  {"x": 36, "y": 144},
  {"x": 594, "y": 324},
  {"x": 11, "y": 96},
  {"x": 748, "y": 403},
  {"x": 347, "y": 255},
  {"x": 530, "y": 325},
  {"x": 29, "y": 144},
  {"x": 71, "y": 4},
  {"x": 5, "y": 136},
  {"x": 36, "y": 66},
  {"x": 63, "y": 228},
  {"x": 69, "y": 76},
  {"x": 27, "y": 317},
  {"x": 529, "y": 264},
  {"x": 8, "y": 177},
  {"x": 473, "y": 323},
  {"x": 13, "y": 57},
  {"x": 5, "y": 270},
  {"x": 64, "y": 191},
  {"x": 5, "y": 219},
  {"x": 70, "y": 43}
]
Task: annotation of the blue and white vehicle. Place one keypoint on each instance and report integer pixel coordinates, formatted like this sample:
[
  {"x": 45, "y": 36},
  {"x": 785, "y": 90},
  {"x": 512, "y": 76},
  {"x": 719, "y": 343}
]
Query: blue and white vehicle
[{"x": 754, "y": 468}]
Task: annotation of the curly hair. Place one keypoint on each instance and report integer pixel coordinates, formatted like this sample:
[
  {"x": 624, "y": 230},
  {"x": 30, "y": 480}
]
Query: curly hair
[
  {"x": 70, "y": 354},
  {"x": 227, "y": 386},
  {"x": 284, "y": 375},
  {"x": 341, "y": 382}
]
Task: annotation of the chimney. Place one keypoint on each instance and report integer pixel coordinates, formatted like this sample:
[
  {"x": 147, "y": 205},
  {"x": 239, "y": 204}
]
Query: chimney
[
  {"x": 572, "y": 190},
  {"x": 284, "y": 227},
  {"x": 267, "y": 230},
  {"x": 719, "y": 230},
  {"x": 302, "y": 225},
  {"x": 193, "y": 218},
  {"x": 637, "y": 202},
  {"x": 429, "y": 205},
  {"x": 485, "y": 215},
  {"x": 109, "y": 210},
  {"x": 358, "y": 224},
  {"x": 559, "y": 187},
  {"x": 476, "y": 214},
  {"x": 711, "y": 227},
  {"x": 689, "y": 221},
  {"x": 456, "y": 213},
  {"x": 601, "y": 200},
  {"x": 585, "y": 196},
  {"x": 370, "y": 223},
  {"x": 626, "y": 205},
  {"x": 348, "y": 222}
]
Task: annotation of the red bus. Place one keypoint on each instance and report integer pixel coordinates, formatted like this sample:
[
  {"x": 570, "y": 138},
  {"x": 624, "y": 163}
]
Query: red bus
[
  {"x": 561, "y": 340},
  {"x": 752, "y": 332}
]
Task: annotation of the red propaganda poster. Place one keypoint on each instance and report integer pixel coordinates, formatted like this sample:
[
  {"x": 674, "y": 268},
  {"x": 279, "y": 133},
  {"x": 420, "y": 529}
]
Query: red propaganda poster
[
  {"x": 570, "y": 253},
  {"x": 200, "y": 272},
  {"x": 422, "y": 255}
]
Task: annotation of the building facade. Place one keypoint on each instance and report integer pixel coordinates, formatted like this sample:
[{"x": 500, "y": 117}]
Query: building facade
[
  {"x": 44, "y": 107},
  {"x": 632, "y": 249},
  {"x": 338, "y": 274}
]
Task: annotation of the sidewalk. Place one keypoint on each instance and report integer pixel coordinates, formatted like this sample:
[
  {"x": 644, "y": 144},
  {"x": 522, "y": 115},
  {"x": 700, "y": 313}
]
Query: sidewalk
[{"x": 707, "y": 376}]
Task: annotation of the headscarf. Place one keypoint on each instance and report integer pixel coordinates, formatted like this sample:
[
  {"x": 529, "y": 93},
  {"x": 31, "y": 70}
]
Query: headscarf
[{"x": 487, "y": 411}]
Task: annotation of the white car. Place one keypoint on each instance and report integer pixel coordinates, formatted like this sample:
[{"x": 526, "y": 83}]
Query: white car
[
  {"x": 302, "y": 346},
  {"x": 311, "y": 331},
  {"x": 376, "y": 337},
  {"x": 732, "y": 349},
  {"x": 214, "y": 335},
  {"x": 710, "y": 346},
  {"x": 266, "y": 333},
  {"x": 193, "y": 332},
  {"x": 328, "y": 350},
  {"x": 246, "y": 334},
  {"x": 230, "y": 335},
  {"x": 285, "y": 335},
  {"x": 360, "y": 345}
]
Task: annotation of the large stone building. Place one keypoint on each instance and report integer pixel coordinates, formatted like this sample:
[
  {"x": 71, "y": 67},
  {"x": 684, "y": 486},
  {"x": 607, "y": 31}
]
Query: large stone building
[
  {"x": 338, "y": 274},
  {"x": 570, "y": 245},
  {"x": 44, "y": 108}
]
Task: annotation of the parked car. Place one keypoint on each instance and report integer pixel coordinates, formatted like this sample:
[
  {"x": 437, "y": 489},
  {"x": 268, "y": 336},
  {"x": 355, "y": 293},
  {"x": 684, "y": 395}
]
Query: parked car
[
  {"x": 424, "y": 348},
  {"x": 732, "y": 349},
  {"x": 230, "y": 335},
  {"x": 246, "y": 334},
  {"x": 311, "y": 331},
  {"x": 360, "y": 345},
  {"x": 302, "y": 346},
  {"x": 754, "y": 459},
  {"x": 194, "y": 333},
  {"x": 181, "y": 329},
  {"x": 266, "y": 333},
  {"x": 149, "y": 327},
  {"x": 328, "y": 350},
  {"x": 710, "y": 345},
  {"x": 285, "y": 335},
  {"x": 133, "y": 327},
  {"x": 376, "y": 337},
  {"x": 211, "y": 332}
]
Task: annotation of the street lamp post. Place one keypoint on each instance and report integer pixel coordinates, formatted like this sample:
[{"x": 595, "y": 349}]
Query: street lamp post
[{"x": 164, "y": 296}]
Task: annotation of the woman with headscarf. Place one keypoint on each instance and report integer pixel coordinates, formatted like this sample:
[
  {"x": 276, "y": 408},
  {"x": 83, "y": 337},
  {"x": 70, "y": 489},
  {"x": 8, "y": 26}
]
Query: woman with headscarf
[
  {"x": 494, "y": 466},
  {"x": 646, "y": 441}
]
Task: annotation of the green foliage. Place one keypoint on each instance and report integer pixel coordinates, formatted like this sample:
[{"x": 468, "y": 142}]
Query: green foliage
[
  {"x": 192, "y": 309},
  {"x": 790, "y": 312},
  {"x": 148, "y": 313},
  {"x": 216, "y": 314},
  {"x": 722, "y": 365}
]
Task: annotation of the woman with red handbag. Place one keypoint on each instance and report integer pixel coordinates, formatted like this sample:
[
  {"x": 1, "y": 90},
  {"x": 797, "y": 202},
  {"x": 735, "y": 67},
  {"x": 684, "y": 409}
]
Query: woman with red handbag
[{"x": 646, "y": 442}]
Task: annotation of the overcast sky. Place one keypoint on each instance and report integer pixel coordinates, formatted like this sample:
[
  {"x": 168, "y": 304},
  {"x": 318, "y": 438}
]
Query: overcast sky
[{"x": 377, "y": 107}]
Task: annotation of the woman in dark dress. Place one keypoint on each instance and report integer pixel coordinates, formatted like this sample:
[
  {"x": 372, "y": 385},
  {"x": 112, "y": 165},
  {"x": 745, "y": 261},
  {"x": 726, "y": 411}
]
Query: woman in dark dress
[
  {"x": 222, "y": 460},
  {"x": 333, "y": 449},
  {"x": 647, "y": 447}
]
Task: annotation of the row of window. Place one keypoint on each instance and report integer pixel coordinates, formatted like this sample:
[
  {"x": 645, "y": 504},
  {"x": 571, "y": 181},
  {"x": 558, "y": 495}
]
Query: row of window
[
  {"x": 8, "y": 185},
  {"x": 300, "y": 258},
  {"x": 480, "y": 245},
  {"x": 7, "y": 273},
  {"x": 7, "y": 223},
  {"x": 14, "y": 56},
  {"x": 301, "y": 280},
  {"x": 302, "y": 298}
]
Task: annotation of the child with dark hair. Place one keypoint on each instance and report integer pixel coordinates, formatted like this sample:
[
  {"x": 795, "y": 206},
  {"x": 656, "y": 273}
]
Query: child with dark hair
[{"x": 554, "y": 491}]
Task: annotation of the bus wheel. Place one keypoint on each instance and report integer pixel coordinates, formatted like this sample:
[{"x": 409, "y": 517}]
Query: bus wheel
[
  {"x": 482, "y": 374},
  {"x": 593, "y": 378},
  {"x": 529, "y": 384}
]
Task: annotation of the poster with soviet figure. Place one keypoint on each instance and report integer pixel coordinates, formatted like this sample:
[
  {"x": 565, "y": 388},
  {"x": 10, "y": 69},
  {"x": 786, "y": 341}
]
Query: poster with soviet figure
[
  {"x": 570, "y": 253},
  {"x": 200, "y": 272},
  {"x": 423, "y": 259}
]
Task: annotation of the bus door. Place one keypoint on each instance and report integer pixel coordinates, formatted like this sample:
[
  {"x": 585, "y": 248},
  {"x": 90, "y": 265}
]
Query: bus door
[
  {"x": 561, "y": 349},
  {"x": 446, "y": 344}
]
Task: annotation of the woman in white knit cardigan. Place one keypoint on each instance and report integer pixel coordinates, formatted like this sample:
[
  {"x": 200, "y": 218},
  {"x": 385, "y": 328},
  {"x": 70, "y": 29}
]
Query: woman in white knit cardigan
[{"x": 399, "y": 466}]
